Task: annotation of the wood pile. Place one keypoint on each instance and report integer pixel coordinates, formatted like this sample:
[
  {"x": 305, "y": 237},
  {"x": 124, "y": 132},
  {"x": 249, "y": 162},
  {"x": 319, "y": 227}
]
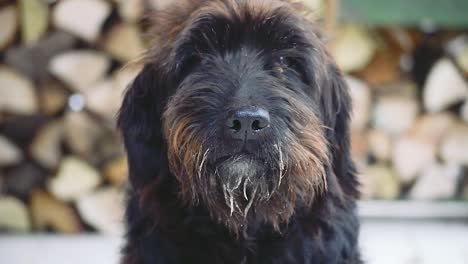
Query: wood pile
[{"x": 410, "y": 95}]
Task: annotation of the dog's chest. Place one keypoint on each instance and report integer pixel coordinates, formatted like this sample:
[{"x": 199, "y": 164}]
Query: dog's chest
[{"x": 283, "y": 250}]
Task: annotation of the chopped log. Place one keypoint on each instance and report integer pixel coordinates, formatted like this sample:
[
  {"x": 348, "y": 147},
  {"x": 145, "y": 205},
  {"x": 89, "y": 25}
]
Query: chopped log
[
  {"x": 353, "y": 48},
  {"x": 444, "y": 87},
  {"x": 411, "y": 156},
  {"x": 83, "y": 18},
  {"x": 395, "y": 114},
  {"x": 14, "y": 215},
  {"x": 74, "y": 179},
  {"x": 34, "y": 20},
  {"x": 131, "y": 10},
  {"x": 11, "y": 154},
  {"x": 124, "y": 42},
  {"x": 80, "y": 69},
  {"x": 362, "y": 102},
  {"x": 116, "y": 171},
  {"x": 438, "y": 181},
  {"x": 46, "y": 147},
  {"x": 48, "y": 212},
  {"x": 103, "y": 210},
  {"x": 455, "y": 145},
  {"x": 17, "y": 94},
  {"x": 9, "y": 22}
]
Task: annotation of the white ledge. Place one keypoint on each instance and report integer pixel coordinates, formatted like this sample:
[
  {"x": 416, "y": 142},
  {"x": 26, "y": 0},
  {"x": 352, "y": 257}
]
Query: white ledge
[{"x": 422, "y": 210}]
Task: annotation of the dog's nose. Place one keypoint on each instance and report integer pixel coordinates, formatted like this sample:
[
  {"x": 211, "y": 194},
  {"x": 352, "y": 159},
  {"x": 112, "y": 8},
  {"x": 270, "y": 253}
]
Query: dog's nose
[{"x": 248, "y": 124}]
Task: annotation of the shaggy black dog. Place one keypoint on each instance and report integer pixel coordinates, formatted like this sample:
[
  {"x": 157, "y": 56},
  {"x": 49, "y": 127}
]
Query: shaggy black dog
[{"x": 237, "y": 137}]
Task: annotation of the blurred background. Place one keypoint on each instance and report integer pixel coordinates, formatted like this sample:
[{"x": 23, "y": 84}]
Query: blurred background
[{"x": 63, "y": 168}]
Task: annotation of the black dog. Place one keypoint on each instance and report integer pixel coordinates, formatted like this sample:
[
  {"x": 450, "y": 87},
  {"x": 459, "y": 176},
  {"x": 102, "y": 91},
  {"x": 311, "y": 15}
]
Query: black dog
[{"x": 237, "y": 138}]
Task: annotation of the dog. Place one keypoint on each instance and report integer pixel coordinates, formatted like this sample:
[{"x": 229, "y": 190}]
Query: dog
[{"x": 236, "y": 131}]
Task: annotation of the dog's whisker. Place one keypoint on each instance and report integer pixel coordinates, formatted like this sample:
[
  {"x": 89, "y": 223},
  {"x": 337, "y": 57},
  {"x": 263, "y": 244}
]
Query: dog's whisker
[
  {"x": 238, "y": 183},
  {"x": 229, "y": 198},
  {"x": 281, "y": 164},
  {"x": 231, "y": 203},
  {"x": 245, "y": 189},
  {"x": 324, "y": 181},
  {"x": 226, "y": 198},
  {"x": 247, "y": 208},
  {"x": 326, "y": 127},
  {"x": 202, "y": 163},
  {"x": 238, "y": 207}
]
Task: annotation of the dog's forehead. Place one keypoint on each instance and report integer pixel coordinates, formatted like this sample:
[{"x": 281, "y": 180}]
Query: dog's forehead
[{"x": 222, "y": 30}]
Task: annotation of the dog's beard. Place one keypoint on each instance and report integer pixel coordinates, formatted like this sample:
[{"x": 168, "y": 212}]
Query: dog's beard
[
  {"x": 245, "y": 181},
  {"x": 241, "y": 188}
]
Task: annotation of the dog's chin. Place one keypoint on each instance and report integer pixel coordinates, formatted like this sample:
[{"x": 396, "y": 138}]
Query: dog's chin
[
  {"x": 239, "y": 166},
  {"x": 243, "y": 188}
]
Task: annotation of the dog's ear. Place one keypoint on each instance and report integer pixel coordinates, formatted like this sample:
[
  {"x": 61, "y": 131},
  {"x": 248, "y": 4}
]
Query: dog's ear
[
  {"x": 335, "y": 100},
  {"x": 337, "y": 108},
  {"x": 140, "y": 117},
  {"x": 139, "y": 121}
]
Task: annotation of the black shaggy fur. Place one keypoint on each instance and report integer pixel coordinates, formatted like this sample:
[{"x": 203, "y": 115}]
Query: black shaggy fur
[{"x": 197, "y": 195}]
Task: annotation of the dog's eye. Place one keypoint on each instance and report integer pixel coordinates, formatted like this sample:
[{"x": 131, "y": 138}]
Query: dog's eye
[
  {"x": 281, "y": 64},
  {"x": 289, "y": 66}
]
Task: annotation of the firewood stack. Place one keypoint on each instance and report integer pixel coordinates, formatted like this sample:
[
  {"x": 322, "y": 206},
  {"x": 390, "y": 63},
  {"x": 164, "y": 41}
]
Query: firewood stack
[
  {"x": 410, "y": 123},
  {"x": 62, "y": 164}
]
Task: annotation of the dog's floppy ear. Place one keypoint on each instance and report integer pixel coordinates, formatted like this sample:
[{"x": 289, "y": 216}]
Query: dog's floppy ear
[
  {"x": 336, "y": 105},
  {"x": 140, "y": 123},
  {"x": 140, "y": 117}
]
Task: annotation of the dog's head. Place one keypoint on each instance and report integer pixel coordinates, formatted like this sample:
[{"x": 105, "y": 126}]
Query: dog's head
[{"x": 240, "y": 102}]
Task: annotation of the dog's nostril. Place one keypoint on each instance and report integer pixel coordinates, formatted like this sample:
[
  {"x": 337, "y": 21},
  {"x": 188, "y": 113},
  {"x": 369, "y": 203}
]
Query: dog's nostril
[
  {"x": 236, "y": 125},
  {"x": 257, "y": 125}
]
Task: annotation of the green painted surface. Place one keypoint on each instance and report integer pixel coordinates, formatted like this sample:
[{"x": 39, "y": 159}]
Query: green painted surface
[{"x": 443, "y": 13}]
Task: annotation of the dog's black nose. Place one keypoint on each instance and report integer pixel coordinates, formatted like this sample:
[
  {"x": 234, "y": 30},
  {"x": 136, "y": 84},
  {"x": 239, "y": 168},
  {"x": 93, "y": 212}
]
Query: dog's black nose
[{"x": 248, "y": 124}]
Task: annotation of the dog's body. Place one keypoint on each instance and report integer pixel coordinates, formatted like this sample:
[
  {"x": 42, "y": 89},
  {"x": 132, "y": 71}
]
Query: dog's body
[{"x": 237, "y": 138}]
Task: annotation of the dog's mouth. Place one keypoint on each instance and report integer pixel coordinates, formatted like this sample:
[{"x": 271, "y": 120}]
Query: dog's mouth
[
  {"x": 240, "y": 165},
  {"x": 237, "y": 156}
]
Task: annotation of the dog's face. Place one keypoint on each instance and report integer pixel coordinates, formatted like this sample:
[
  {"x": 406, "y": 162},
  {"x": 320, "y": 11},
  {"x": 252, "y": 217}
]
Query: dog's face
[{"x": 250, "y": 106}]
